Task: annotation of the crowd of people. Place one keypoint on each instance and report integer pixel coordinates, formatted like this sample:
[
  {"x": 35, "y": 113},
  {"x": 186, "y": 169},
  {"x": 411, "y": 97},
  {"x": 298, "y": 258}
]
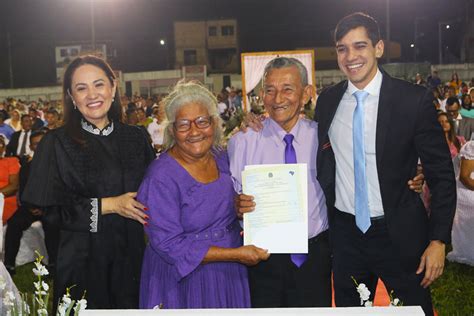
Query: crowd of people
[
  {"x": 454, "y": 102},
  {"x": 101, "y": 171}
]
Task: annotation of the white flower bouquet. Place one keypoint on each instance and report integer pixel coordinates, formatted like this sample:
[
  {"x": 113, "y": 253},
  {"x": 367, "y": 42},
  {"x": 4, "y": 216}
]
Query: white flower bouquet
[
  {"x": 364, "y": 294},
  {"x": 17, "y": 304}
]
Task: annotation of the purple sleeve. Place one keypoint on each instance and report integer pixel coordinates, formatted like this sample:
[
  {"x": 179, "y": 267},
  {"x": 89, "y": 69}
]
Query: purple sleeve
[
  {"x": 165, "y": 232},
  {"x": 235, "y": 150}
]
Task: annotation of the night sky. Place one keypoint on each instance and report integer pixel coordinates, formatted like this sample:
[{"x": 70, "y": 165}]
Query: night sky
[{"x": 133, "y": 28}]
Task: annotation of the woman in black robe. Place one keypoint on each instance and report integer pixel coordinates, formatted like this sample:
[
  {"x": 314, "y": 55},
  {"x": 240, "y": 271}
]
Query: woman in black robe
[{"x": 85, "y": 175}]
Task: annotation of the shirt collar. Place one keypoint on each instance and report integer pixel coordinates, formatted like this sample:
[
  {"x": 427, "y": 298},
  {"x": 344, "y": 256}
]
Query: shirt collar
[
  {"x": 91, "y": 128},
  {"x": 278, "y": 133},
  {"x": 373, "y": 88}
]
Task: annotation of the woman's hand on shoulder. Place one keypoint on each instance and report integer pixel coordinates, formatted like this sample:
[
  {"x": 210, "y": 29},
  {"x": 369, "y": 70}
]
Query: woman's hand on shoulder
[
  {"x": 251, "y": 255},
  {"x": 125, "y": 205}
]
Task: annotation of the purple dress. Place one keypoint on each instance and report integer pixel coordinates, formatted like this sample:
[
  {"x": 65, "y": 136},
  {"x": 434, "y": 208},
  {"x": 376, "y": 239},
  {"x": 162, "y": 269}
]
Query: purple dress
[{"x": 186, "y": 218}]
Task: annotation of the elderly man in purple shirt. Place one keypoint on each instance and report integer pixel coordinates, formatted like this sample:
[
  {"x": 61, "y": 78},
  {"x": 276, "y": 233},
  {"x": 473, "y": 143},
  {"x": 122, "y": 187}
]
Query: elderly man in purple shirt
[{"x": 286, "y": 280}]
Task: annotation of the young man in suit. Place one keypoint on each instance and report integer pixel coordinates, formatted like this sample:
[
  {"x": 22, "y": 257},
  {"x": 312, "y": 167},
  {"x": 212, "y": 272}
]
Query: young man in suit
[
  {"x": 368, "y": 150},
  {"x": 19, "y": 144}
]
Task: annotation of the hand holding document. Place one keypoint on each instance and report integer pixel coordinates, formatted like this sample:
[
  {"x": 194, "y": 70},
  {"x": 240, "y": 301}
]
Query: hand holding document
[{"x": 279, "y": 222}]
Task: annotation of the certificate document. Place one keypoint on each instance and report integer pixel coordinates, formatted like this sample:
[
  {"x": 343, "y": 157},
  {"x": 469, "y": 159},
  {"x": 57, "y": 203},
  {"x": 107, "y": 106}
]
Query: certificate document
[{"x": 279, "y": 222}]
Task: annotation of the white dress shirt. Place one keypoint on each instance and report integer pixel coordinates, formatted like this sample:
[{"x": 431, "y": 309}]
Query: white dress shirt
[
  {"x": 340, "y": 135},
  {"x": 28, "y": 151},
  {"x": 157, "y": 132}
]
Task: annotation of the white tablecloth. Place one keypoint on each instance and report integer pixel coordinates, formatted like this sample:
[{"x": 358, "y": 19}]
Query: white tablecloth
[{"x": 352, "y": 311}]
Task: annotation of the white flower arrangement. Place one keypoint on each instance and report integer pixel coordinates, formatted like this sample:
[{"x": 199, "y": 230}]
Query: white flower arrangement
[
  {"x": 364, "y": 294},
  {"x": 39, "y": 303}
]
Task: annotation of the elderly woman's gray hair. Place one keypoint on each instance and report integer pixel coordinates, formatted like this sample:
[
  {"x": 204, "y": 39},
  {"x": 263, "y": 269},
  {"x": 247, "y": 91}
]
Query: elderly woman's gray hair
[{"x": 183, "y": 94}]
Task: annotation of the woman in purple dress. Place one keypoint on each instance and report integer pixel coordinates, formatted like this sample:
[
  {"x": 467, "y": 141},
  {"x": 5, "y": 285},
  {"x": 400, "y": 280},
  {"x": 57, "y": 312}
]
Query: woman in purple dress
[{"x": 195, "y": 257}]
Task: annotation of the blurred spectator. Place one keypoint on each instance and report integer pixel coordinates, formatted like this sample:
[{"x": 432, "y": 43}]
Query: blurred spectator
[
  {"x": 419, "y": 80},
  {"x": 5, "y": 129},
  {"x": 451, "y": 92},
  {"x": 19, "y": 145},
  {"x": 440, "y": 98},
  {"x": 36, "y": 121},
  {"x": 143, "y": 120},
  {"x": 52, "y": 119},
  {"x": 452, "y": 109},
  {"x": 156, "y": 128},
  {"x": 235, "y": 101},
  {"x": 148, "y": 107},
  {"x": 433, "y": 80},
  {"x": 466, "y": 126},
  {"x": 26, "y": 215},
  {"x": 222, "y": 107},
  {"x": 131, "y": 105},
  {"x": 454, "y": 141},
  {"x": 131, "y": 116},
  {"x": 463, "y": 90},
  {"x": 455, "y": 83},
  {"x": 9, "y": 169},
  {"x": 14, "y": 120}
]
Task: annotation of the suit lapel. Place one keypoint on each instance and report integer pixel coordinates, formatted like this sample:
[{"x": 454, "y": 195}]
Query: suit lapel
[{"x": 383, "y": 116}]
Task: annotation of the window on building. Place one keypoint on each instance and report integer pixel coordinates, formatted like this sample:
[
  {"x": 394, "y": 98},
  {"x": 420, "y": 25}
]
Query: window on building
[
  {"x": 64, "y": 52},
  {"x": 223, "y": 59},
  {"x": 212, "y": 31},
  {"x": 227, "y": 30},
  {"x": 190, "y": 57}
]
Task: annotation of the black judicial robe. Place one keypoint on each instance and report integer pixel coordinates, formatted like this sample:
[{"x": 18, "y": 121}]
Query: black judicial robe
[{"x": 99, "y": 254}]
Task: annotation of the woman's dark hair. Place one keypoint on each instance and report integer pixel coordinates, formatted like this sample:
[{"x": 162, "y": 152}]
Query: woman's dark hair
[
  {"x": 355, "y": 20},
  {"x": 72, "y": 117},
  {"x": 452, "y": 131}
]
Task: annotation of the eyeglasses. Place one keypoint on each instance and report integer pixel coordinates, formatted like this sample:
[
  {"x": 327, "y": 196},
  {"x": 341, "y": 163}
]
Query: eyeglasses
[{"x": 200, "y": 122}]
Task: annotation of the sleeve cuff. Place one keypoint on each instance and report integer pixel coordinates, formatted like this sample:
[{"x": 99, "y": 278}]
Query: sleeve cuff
[{"x": 95, "y": 207}]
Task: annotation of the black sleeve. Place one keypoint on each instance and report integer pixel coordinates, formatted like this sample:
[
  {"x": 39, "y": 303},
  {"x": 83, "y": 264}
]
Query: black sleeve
[
  {"x": 46, "y": 189},
  {"x": 11, "y": 150}
]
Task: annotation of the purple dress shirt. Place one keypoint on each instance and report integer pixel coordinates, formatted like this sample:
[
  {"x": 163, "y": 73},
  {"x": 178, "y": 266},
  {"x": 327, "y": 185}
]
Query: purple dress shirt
[{"x": 268, "y": 147}]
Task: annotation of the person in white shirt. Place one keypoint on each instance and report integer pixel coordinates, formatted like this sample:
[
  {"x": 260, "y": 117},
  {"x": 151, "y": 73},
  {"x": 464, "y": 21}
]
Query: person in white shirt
[{"x": 155, "y": 128}]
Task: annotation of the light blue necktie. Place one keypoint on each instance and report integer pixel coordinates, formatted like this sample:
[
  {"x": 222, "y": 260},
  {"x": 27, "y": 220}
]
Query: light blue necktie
[
  {"x": 290, "y": 157},
  {"x": 361, "y": 199}
]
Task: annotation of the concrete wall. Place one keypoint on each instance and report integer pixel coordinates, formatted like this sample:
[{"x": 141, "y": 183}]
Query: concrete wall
[
  {"x": 464, "y": 71},
  {"x": 33, "y": 94}
]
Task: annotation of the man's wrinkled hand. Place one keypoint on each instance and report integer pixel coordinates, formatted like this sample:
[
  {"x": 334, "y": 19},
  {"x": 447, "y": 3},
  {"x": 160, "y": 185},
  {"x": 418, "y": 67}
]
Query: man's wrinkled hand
[
  {"x": 243, "y": 204},
  {"x": 432, "y": 262},
  {"x": 250, "y": 120},
  {"x": 416, "y": 184}
]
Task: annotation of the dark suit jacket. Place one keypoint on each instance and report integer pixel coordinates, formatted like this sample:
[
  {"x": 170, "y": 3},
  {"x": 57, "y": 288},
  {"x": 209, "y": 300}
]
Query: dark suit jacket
[
  {"x": 13, "y": 144},
  {"x": 407, "y": 128}
]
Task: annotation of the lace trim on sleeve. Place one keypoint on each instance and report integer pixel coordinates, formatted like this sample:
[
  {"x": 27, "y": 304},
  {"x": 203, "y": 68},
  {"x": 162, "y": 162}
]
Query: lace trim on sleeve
[
  {"x": 95, "y": 215},
  {"x": 467, "y": 151}
]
